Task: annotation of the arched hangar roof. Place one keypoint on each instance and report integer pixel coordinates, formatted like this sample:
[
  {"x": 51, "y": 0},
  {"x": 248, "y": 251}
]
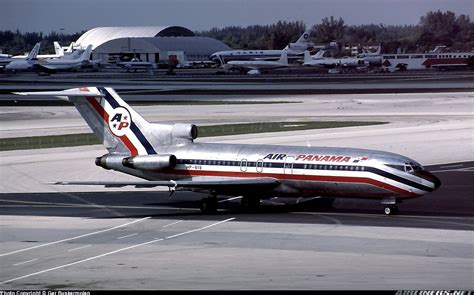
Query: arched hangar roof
[{"x": 100, "y": 35}]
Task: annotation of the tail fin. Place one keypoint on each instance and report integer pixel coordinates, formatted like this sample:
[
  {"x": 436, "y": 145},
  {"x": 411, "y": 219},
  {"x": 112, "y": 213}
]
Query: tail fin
[
  {"x": 304, "y": 38},
  {"x": 34, "y": 52},
  {"x": 284, "y": 57},
  {"x": 120, "y": 128},
  {"x": 87, "y": 53},
  {"x": 58, "y": 50},
  {"x": 379, "y": 49},
  {"x": 70, "y": 48}
]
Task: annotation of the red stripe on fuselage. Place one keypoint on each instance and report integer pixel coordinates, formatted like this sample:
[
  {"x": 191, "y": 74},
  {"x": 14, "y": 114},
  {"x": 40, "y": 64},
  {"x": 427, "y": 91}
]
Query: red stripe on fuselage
[
  {"x": 96, "y": 105},
  {"x": 321, "y": 178}
]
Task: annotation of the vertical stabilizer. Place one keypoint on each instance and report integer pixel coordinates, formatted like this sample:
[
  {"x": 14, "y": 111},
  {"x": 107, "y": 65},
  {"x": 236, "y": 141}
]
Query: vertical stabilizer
[
  {"x": 58, "y": 50},
  {"x": 86, "y": 54},
  {"x": 34, "y": 52},
  {"x": 304, "y": 38},
  {"x": 119, "y": 127}
]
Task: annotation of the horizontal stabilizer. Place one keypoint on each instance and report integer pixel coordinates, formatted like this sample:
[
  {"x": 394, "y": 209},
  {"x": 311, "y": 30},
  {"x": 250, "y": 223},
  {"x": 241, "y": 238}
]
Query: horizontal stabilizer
[{"x": 62, "y": 93}]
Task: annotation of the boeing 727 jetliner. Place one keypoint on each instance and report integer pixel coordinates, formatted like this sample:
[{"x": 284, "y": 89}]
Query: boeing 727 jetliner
[{"x": 166, "y": 155}]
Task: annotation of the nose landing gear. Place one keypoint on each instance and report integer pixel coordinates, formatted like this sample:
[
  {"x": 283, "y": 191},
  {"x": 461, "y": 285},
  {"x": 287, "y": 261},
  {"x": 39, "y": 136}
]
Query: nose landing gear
[
  {"x": 390, "y": 209},
  {"x": 390, "y": 206}
]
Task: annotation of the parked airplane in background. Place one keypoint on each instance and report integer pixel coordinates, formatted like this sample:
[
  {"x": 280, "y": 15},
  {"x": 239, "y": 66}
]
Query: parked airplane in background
[
  {"x": 329, "y": 62},
  {"x": 58, "y": 52},
  {"x": 26, "y": 64},
  {"x": 66, "y": 62},
  {"x": 166, "y": 155},
  {"x": 294, "y": 50},
  {"x": 136, "y": 64},
  {"x": 374, "y": 58},
  {"x": 256, "y": 66}
]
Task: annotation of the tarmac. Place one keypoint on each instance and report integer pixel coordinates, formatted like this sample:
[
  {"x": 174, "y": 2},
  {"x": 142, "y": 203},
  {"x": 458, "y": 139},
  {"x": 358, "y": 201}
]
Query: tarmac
[{"x": 55, "y": 237}]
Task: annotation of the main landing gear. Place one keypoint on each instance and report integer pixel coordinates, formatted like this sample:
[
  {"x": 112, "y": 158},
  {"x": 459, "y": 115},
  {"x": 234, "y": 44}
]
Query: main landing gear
[{"x": 209, "y": 204}]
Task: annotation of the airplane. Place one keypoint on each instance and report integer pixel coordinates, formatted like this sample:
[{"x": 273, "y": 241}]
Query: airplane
[
  {"x": 166, "y": 155},
  {"x": 374, "y": 58},
  {"x": 58, "y": 52},
  {"x": 329, "y": 62},
  {"x": 293, "y": 49},
  {"x": 255, "y": 66},
  {"x": 136, "y": 64},
  {"x": 65, "y": 63},
  {"x": 24, "y": 64}
]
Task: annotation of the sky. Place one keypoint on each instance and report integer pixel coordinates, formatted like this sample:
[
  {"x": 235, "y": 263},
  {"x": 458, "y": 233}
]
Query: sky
[{"x": 71, "y": 16}]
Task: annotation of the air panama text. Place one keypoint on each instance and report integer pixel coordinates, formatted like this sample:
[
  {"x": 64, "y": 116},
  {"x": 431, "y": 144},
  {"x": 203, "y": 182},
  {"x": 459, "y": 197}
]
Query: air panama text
[{"x": 312, "y": 157}]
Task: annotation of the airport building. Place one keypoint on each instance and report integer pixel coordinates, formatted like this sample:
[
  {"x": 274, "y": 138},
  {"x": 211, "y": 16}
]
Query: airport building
[
  {"x": 422, "y": 61},
  {"x": 150, "y": 44}
]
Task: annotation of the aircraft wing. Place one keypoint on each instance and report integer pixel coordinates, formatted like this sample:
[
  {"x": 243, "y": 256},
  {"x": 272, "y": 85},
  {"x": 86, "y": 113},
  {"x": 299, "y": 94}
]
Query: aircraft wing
[{"x": 256, "y": 183}]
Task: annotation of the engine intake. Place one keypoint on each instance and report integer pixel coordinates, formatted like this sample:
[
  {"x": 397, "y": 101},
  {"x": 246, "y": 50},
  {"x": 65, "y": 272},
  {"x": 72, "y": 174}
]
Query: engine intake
[
  {"x": 150, "y": 162},
  {"x": 184, "y": 131}
]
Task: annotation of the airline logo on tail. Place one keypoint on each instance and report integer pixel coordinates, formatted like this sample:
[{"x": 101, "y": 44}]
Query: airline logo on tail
[
  {"x": 120, "y": 121},
  {"x": 118, "y": 118}
]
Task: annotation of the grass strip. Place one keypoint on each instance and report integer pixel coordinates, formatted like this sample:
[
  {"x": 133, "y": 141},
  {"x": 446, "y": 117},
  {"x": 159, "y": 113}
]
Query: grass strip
[{"x": 38, "y": 142}]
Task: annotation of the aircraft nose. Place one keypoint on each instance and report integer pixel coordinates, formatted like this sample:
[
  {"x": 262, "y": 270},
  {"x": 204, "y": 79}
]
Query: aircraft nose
[{"x": 434, "y": 179}]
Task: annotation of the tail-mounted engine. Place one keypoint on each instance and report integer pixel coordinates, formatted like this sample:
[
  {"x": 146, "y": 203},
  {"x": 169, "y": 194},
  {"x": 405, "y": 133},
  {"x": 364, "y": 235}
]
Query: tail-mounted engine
[
  {"x": 145, "y": 162},
  {"x": 150, "y": 162}
]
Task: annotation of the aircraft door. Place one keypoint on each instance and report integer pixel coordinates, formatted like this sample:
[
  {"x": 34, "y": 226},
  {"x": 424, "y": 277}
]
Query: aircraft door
[
  {"x": 243, "y": 165},
  {"x": 288, "y": 165},
  {"x": 259, "y": 166}
]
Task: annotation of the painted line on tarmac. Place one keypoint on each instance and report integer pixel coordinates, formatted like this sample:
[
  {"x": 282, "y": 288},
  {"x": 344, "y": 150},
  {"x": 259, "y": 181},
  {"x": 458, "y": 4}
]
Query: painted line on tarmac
[
  {"x": 79, "y": 248},
  {"x": 127, "y": 236},
  {"x": 173, "y": 223},
  {"x": 25, "y": 262},
  {"x": 116, "y": 251},
  {"x": 74, "y": 238}
]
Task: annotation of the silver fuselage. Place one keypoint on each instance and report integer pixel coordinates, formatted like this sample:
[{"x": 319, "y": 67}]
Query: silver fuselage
[{"x": 302, "y": 171}]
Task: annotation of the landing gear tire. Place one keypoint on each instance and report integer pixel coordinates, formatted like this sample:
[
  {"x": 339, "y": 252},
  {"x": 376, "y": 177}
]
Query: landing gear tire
[
  {"x": 209, "y": 205},
  {"x": 390, "y": 210},
  {"x": 249, "y": 203}
]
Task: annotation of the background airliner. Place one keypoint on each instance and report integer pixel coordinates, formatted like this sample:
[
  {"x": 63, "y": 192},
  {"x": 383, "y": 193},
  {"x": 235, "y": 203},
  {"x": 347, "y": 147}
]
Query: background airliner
[
  {"x": 166, "y": 155},
  {"x": 294, "y": 50}
]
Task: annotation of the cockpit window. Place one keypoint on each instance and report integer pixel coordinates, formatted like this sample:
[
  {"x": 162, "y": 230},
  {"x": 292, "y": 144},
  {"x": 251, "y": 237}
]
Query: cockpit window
[
  {"x": 408, "y": 167},
  {"x": 412, "y": 167}
]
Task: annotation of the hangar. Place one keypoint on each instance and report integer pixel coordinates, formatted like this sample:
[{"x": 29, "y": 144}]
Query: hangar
[{"x": 151, "y": 44}]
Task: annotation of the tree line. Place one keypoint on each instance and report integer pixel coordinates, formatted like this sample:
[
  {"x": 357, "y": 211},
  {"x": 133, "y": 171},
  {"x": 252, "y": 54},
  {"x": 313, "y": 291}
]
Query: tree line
[{"x": 435, "y": 28}]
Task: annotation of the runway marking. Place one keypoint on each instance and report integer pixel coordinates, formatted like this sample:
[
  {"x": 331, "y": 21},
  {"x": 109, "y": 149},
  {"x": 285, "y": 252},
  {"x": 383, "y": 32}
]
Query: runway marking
[
  {"x": 113, "y": 252},
  {"x": 176, "y": 222},
  {"x": 96, "y": 206},
  {"x": 229, "y": 199},
  {"x": 78, "y": 248},
  {"x": 24, "y": 262},
  {"x": 127, "y": 236},
  {"x": 198, "y": 229},
  {"x": 73, "y": 238}
]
